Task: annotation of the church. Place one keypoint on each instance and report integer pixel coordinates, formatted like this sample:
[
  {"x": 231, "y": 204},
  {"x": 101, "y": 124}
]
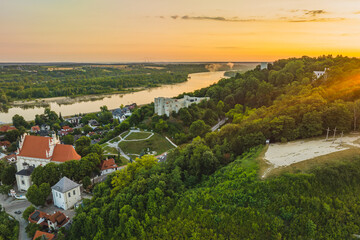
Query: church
[{"x": 34, "y": 151}]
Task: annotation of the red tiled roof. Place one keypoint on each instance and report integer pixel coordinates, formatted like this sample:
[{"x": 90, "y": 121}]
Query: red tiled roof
[
  {"x": 35, "y": 128},
  {"x": 7, "y": 128},
  {"x": 108, "y": 164},
  {"x": 63, "y": 153},
  {"x": 48, "y": 236},
  {"x": 67, "y": 128},
  {"x": 40, "y": 215},
  {"x": 5, "y": 143},
  {"x": 36, "y": 147},
  {"x": 59, "y": 218}
]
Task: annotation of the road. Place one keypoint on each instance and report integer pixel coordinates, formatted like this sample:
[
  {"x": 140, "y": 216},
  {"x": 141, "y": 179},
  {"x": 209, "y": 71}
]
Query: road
[{"x": 11, "y": 205}]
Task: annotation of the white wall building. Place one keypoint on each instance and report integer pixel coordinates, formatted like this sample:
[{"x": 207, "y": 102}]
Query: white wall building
[
  {"x": 66, "y": 193},
  {"x": 34, "y": 151},
  {"x": 165, "y": 106},
  {"x": 319, "y": 74},
  {"x": 263, "y": 65}
]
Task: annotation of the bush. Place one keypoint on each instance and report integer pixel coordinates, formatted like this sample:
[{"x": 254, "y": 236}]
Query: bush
[{"x": 28, "y": 211}]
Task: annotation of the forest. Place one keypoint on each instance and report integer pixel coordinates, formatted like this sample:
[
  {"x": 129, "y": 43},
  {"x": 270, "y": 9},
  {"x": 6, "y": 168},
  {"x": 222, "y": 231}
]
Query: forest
[
  {"x": 210, "y": 188},
  {"x": 38, "y": 81}
]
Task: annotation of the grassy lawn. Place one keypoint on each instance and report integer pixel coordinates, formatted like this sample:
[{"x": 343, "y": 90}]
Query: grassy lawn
[
  {"x": 123, "y": 161},
  {"x": 124, "y": 134},
  {"x": 138, "y": 135},
  {"x": 115, "y": 140},
  {"x": 110, "y": 150},
  {"x": 156, "y": 143}
]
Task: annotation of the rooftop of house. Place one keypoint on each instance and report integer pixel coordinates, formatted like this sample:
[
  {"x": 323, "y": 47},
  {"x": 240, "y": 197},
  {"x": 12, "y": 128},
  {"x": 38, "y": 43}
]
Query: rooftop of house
[
  {"x": 7, "y": 128},
  {"x": 43, "y": 235},
  {"x": 35, "y": 128},
  {"x": 58, "y": 217},
  {"x": 67, "y": 128},
  {"x": 26, "y": 171},
  {"x": 5, "y": 143},
  {"x": 108, "y": 164},
  {"x": 64, "y": 185}
]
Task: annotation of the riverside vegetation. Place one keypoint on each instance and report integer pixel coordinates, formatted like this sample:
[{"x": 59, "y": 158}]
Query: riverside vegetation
[
  {"x": 39, "y": 81},
  {"x": 210, "y": 188}
]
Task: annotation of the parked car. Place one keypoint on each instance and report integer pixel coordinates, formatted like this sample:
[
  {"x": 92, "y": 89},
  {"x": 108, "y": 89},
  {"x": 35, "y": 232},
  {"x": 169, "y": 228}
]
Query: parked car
[{"x": 17, "y": 212}]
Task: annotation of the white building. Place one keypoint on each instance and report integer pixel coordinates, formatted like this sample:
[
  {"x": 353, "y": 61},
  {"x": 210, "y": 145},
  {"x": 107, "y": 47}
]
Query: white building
[
  {"x": 66, "y": 193},
  {"x": 34, "y": 151},
  {"x": 165, "y": 106},
  {"x": 319, "y": 74},
  {"x": 263, "y": 65}
]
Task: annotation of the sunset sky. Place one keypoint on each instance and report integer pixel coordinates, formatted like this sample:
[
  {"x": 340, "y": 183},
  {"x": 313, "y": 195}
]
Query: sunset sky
[{"x": 167, "y": 30}]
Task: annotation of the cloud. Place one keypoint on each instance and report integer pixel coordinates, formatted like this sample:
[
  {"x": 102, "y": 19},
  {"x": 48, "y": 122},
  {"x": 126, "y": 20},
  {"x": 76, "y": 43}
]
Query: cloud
[
  {"x": 358, "y": 12},
  {"x": 304, "y": 16},
  {"x": 314, "y": 13},
  {"x": 298, "y": 20},
  {"x": 222, "y": 19}
]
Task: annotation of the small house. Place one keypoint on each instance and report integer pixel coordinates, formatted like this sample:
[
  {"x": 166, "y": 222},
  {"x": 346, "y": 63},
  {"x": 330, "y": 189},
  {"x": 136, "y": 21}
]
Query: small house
[
  {"x": 66, "y": 193},
  {"x": 35, "y": 129},
  {"x": 109, "y": 166}
]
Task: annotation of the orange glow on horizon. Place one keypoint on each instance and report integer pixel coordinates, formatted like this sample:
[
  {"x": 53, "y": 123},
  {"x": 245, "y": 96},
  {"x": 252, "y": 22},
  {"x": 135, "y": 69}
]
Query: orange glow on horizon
[{"x": 230, "y": 30}]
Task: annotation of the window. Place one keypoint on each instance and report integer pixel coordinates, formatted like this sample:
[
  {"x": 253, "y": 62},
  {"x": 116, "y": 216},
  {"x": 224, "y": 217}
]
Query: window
[
  {"x": 22, "y": 182},
  {"x": 74, "y": 192},
  {"x": 69, "y": 194},
  {"x": 59, "y": 195}
]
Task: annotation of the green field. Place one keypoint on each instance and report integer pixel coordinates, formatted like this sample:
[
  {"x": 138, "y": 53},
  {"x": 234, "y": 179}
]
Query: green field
[
  {"x": 156, "y": 143},
  {"x": 115, "y": 140},
  {"x": 124, "y": 134},
  {"x": 138, "y": 135},
  {"x": 110, "y": 150}
]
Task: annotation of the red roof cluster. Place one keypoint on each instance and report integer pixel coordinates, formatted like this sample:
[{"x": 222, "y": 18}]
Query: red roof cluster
[
  {"x": 35, "y": 128},
  {"x": 58, "y": 217},
  {"x": 5, "y": 143},
  {"x": 36, "y": 147},
  {"x": 45, "y": 235},
  {"x": 67, "y": 128},
  {"x": 7, "y": 128},
  {"x": 108, "y": 164}
]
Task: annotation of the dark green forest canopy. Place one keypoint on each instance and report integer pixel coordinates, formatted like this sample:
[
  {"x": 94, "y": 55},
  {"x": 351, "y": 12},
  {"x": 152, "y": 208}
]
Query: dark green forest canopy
[{"x": 155, "y": 201}]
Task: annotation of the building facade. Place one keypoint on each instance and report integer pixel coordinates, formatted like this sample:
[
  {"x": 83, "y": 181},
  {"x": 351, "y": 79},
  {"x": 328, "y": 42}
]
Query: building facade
[
  {"x": 66, "y": 193},
  {"x": 165, "y": 106},
  {"x": 34, "y": 151}
]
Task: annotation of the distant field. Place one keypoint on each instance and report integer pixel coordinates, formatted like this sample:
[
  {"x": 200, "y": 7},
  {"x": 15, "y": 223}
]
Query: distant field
[{"x": 156, "y": 143}]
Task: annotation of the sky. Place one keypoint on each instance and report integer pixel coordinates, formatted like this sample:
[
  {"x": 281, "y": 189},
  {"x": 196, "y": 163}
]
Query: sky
[{"x": 168, "y": 30}]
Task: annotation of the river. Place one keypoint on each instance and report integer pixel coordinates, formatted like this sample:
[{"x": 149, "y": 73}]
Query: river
[{"x": 112, "y": 101}]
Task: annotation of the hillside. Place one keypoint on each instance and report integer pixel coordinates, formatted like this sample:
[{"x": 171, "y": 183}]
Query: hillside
[{"x": 210, "y": 188}]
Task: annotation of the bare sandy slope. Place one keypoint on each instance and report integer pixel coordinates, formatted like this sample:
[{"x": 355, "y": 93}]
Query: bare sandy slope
[{"x": 285, "y": 154}]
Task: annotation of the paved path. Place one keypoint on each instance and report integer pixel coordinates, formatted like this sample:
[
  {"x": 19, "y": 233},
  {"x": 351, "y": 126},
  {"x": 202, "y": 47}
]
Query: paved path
[
  {"x": 116, "y": 144},
  {"x": 219, "y": 124},
  {"x": 171, "y": 142},
  {"x": 11, "y": 205}
]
